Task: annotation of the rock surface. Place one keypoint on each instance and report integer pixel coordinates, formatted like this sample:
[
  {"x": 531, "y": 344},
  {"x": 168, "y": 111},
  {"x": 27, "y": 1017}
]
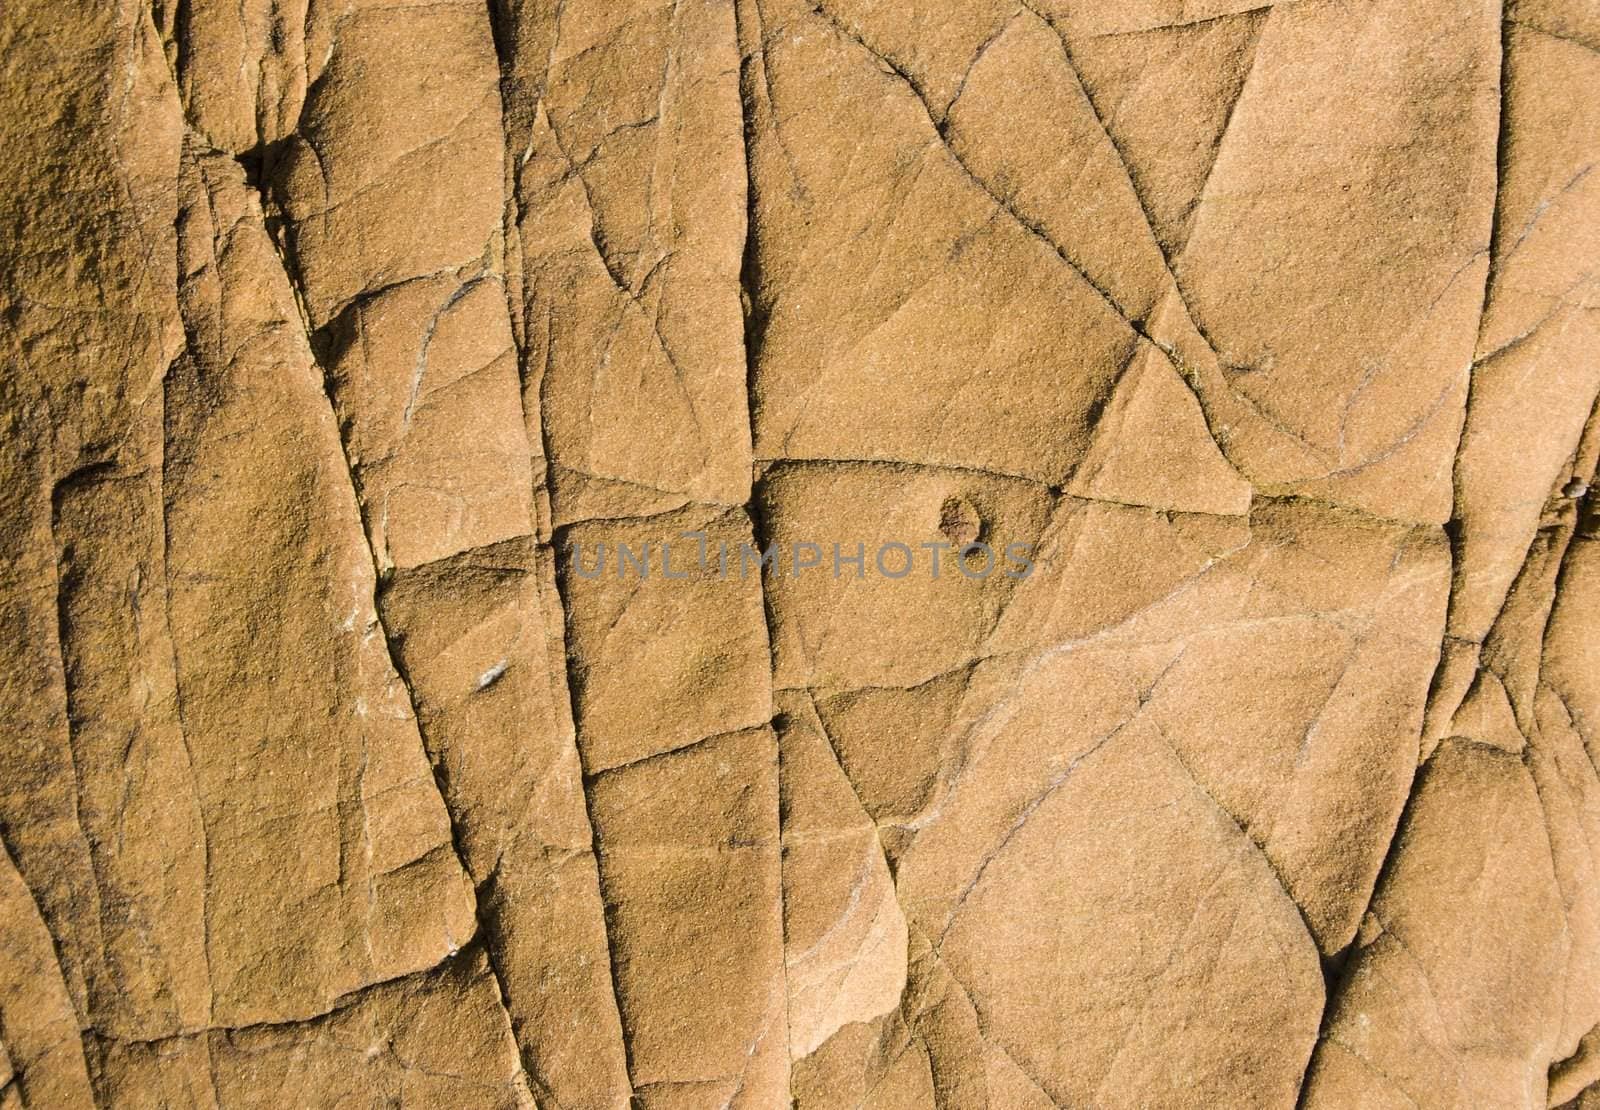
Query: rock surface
[{"x": 818, "y": 553}]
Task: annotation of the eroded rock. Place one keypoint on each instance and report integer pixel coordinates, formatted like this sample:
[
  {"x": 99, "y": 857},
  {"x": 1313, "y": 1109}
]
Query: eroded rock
[{"x": 750, "y": 553}]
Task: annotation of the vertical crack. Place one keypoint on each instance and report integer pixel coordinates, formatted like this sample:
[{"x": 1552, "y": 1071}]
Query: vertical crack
[
  {"x": 756, "y": 315},
  {"x": 177, "y": 691},
  {"x": 594, "y": 850},
  {"x": 280, "y": 234},
  {"x": 517, "y": 114},
  {"x": 1340, "y": 967}
]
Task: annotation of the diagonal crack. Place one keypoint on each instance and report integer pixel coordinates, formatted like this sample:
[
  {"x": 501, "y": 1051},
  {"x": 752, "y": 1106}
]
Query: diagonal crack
[
  {"x": 1187, "y": 374},
  {"x": 283, "y": 247}
]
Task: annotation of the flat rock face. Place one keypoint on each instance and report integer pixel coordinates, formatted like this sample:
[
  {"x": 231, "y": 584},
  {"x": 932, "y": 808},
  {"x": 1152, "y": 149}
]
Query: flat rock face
[{"x": 800, "y": 553}]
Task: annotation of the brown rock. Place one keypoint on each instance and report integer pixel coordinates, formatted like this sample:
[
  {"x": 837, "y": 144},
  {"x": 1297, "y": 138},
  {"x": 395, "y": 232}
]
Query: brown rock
[{"x": 759, "y": 553}]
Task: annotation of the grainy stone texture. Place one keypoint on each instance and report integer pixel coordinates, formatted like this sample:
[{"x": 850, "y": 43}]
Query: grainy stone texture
[{"x": 341, "y": 337}]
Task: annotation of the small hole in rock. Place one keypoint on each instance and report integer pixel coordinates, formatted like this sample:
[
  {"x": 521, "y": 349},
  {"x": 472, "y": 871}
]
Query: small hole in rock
[{"x": 959, "y": 521}]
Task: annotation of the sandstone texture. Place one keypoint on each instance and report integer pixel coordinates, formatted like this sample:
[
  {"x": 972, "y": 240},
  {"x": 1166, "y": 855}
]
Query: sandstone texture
[{"x": 750, "y": 554}]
